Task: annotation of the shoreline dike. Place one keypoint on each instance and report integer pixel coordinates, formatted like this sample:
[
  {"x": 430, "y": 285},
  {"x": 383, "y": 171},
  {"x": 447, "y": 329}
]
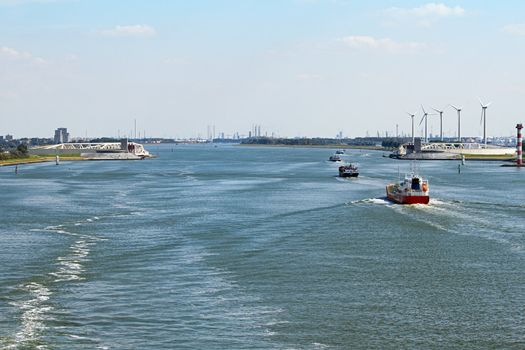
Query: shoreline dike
[
  {"x": 368, "y": 148},
  {"x": 22, "y": 161}
]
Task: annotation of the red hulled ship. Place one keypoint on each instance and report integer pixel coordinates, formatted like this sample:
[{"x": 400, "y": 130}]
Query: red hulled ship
[{"x": 412, "y": 190}]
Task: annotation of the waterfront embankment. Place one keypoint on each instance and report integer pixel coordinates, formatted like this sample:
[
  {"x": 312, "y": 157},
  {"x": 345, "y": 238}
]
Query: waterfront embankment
[
  {"x": 331, "y": 146},
  {"x": 31, "y": 159}
]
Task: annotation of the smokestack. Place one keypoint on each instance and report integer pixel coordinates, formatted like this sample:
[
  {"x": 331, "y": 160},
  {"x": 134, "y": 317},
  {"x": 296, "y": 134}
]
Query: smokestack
[{"x": 519, "y": 160}]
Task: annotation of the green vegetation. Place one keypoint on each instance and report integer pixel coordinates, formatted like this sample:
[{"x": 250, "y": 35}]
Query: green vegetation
[
  {"x": 293, "y": 142},
  {"x": 392, "y": 143},
  {"x": 488, "y": 157},
  {"x": 374, "y": 143},
  {"x": 19, "y": 152},
  {"x": 11, "y": 158},
  {"x": 73, "y": 155},
  {"x": 338, "y": 146}
]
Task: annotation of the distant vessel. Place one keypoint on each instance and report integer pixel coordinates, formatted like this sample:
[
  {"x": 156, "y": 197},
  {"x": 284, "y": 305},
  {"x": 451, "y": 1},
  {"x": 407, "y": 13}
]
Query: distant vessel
[
  {"x": 412, "y": 190},
  {"x": 340, "y": 151},
  {"x": 334, "y": 158},
  {"x": 348, "y": 171}
]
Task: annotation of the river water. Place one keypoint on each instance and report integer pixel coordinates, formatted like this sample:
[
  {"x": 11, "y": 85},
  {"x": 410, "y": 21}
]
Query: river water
[{"x": 234, "y": 247}]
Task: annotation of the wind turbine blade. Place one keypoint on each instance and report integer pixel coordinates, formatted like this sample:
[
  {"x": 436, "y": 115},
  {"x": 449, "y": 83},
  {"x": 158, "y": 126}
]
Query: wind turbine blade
[
  {"x": 456, "y": 108},
  {"x": 437, "y": 110},
  {"x": 425, "y": 112},
  {"x": 422, "y": 119},
  {"x": 481, "y": 103},
  {"x": 488, "y": 104}
]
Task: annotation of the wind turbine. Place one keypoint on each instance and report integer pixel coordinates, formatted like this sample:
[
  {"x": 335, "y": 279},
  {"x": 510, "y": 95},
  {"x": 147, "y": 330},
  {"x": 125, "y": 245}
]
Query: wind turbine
[
  {"x": 440, "y": 122},
  {"x": 412, "y": 115},
  {"x": 484, "y": 119},
  {"x": 458, "y": 109},
  {"x": 425, "y": 117}
]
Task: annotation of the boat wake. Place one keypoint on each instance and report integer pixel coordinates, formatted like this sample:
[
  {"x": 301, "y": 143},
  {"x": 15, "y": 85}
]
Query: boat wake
[
  {"x": 373, "y": 201},
  {"x": 32, "y": 299}
]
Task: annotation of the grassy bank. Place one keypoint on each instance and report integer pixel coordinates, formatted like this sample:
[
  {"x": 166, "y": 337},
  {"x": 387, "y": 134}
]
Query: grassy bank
[
  {"x": 487, "y": 157},
  {"x": 38, "y": 159}
]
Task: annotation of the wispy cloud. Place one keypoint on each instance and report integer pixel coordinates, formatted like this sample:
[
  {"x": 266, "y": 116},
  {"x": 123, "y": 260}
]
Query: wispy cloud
[
  {"x": 517, "y": 29},
  {"x": 136, "y": 30},
  {"x": 382, "y": 44},
  {"x": 427, "y": 10},
  {"x": 16, "y": 55},
  {"x": 426, "y": 14}
]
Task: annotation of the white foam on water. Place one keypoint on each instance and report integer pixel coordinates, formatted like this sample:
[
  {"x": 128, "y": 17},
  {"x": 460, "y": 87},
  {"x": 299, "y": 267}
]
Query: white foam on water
[
  {"x": 374, "y": 201},
  {"x": 435, "y": 201},
  {"x": 34, "y": 311},
  {"x": 70, "y": 267}
]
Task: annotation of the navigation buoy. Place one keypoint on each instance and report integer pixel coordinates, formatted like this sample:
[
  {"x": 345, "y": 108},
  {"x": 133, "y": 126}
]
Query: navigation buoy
[
  {"x": 57, "y": 160},
  {"x": 16, "y": 169}
]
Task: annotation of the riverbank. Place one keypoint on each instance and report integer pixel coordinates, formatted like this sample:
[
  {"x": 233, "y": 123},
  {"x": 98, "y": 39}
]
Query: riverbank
[
  {"x": 370, "y": 148},
  {"x": 38, "y": 159}
]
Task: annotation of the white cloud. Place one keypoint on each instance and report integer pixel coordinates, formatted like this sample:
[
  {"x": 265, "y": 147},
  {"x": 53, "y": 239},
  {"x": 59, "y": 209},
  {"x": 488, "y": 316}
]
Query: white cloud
[
  {"x": 428, "y": 10},
  {"x": 383, "y": 44},
  {"x": 515, "y": 29},
  {"x": 424, "y": 15},
  {"x": 16, "y": 55},
  {"x": 137, "y": 30}
]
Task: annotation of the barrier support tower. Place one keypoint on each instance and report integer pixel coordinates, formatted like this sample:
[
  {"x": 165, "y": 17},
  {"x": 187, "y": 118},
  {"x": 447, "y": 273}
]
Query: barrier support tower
[{"x": 519, "y": 146}]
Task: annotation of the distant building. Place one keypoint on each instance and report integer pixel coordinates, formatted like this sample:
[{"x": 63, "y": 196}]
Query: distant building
[
  {"x": 61, "y": 135},
  {"x": 9, "y": 137}
]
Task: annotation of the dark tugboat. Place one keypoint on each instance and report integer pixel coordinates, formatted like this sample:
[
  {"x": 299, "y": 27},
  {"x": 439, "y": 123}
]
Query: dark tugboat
[
  {"x": 348, "y": 171},
  {"x": 334, "y": 158}
]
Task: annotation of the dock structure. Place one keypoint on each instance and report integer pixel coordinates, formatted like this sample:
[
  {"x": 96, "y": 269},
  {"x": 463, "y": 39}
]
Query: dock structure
[
  {"x": 452, "y": 150},
  {"x": 103, "y": 150}
]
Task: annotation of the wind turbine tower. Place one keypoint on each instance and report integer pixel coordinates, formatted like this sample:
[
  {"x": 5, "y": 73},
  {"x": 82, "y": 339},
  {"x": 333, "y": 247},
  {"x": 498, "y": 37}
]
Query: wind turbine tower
[
  {"x": 412, "y": 115},
  {"x": 440, "y": 123},
  {"x": 425, "y": 117},
  {"x": 484, "y": 119},
  {"x": 458, "y": 109}
]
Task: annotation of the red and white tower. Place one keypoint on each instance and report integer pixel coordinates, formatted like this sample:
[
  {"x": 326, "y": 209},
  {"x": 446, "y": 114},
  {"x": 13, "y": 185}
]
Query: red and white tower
[{"x": 519, "y": 161}]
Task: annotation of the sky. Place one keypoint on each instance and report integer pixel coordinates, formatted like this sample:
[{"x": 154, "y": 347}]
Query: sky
[{"x": 296, "y": 67}]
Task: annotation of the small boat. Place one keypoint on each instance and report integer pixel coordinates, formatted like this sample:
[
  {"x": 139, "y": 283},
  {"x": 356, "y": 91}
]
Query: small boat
[
  {"x": 334, "y": 158},
  {"x": 413, "y": 189},
  {"x": 340, "y": 151},
  {"x": 348, "y": 171}
]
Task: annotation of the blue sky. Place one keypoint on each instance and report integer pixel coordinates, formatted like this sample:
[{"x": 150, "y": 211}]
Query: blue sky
[{"x": 296, "y": 67}]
